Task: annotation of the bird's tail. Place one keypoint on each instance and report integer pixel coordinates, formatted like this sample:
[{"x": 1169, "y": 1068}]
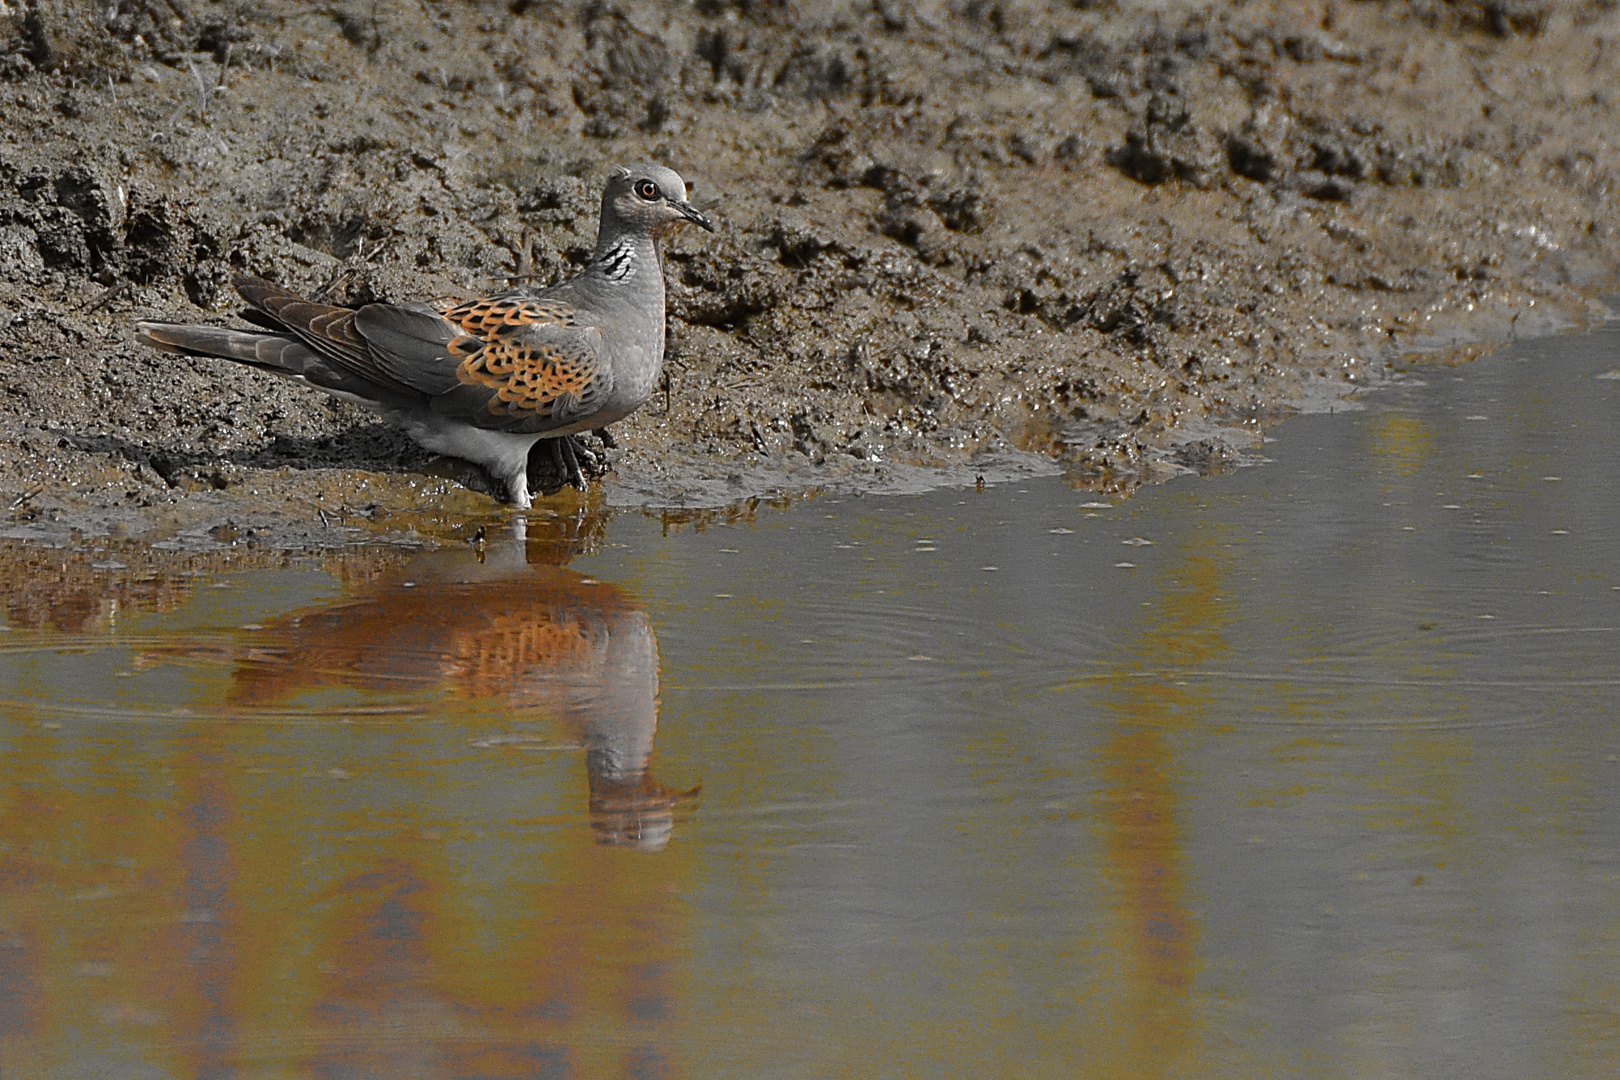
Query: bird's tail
[{"x": 280, "y": 353}]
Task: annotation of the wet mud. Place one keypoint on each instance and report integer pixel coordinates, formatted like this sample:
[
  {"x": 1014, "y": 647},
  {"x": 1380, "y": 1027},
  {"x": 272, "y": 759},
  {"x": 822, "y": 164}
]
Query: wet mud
[{"x": 956, "y": 240}]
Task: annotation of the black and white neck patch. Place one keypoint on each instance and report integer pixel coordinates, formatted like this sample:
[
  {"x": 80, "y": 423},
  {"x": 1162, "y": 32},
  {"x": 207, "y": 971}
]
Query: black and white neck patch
[{"x": 618, "y": 263}]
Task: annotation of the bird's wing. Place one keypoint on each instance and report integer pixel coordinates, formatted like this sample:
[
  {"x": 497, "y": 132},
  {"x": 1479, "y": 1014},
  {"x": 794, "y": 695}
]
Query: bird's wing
[
  {"x": 510, "y": 362},
  {"x": 525, "y": 364},
  {"x": 411, "y": 344},
  {"x": 326, "y": 328}
]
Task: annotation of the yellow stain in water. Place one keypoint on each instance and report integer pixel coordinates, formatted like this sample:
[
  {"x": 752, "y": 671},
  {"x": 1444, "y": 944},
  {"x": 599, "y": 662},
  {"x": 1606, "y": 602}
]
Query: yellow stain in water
[
  {"x": 1402, "y": 442},
  {"x": 1145, "y": 1021}
]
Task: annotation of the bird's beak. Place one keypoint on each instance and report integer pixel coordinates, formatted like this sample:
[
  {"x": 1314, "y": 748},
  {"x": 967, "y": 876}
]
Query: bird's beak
[{"x": 694, "y": 215}]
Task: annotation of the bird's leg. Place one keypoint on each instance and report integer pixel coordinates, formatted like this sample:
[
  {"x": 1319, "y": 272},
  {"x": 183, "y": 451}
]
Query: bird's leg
[
  {"x": 562, "y": 453},
  {"x": 585, "y": 455},
  {"x": 605, "y": 466},
  {"x": 517, "y": 489}
]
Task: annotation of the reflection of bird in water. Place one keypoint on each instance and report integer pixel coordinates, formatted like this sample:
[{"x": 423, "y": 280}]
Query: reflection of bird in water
[{"x": 536, "y": 636}]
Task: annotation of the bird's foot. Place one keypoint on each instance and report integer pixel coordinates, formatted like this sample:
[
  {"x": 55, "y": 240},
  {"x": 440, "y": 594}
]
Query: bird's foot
[
  {"x": 566, "y": 460},
  {"x": 570, "y": 462},
  {"x": 591, "y": 463},
  {"x": 576, "y": 462}
]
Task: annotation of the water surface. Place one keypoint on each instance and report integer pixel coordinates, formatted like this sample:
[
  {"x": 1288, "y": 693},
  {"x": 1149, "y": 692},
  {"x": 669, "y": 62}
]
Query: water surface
[{"x": 1307, "y": 770}]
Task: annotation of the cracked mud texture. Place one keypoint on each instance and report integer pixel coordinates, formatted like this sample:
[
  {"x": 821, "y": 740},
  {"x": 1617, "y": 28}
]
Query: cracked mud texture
[{"x": 1115, "y": 240}]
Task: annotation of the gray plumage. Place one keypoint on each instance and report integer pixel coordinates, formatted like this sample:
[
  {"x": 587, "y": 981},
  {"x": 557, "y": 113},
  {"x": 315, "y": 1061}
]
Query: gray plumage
[{"x": 487, "y": 379}]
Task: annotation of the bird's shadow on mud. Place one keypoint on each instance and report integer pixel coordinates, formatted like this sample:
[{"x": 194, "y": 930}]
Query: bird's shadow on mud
[{"x": 365, "y": 447}]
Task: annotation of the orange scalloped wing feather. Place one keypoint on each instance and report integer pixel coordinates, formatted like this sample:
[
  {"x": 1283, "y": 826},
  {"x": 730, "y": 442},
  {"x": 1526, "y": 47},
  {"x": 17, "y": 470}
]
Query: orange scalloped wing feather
[{"x": 532, "y": 353}]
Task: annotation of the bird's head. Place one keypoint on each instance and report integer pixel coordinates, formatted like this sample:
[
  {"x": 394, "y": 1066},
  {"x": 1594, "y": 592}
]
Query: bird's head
[{"x": 650, "y": 198}]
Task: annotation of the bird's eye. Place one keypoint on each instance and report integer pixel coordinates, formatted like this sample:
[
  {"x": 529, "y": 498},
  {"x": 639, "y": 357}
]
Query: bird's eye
[{"x": 648, "y": 190}]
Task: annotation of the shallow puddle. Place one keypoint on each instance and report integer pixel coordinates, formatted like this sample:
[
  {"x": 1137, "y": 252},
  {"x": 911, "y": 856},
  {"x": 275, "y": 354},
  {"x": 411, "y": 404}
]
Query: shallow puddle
[{"x": 1308, "y": 770}]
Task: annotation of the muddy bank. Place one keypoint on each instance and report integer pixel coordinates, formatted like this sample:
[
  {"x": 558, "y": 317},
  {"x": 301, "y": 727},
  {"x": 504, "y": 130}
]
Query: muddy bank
[{"x": 1119, "y": 241}]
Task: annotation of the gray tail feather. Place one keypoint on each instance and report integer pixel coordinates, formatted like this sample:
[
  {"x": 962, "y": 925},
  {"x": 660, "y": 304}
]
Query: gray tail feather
[
  {"x": 275, "y": 352},
  {"x": 279, "y": 354}
]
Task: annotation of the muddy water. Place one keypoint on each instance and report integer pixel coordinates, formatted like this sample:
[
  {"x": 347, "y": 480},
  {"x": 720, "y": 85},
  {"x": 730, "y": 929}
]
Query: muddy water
[{"x": 1311, "y": 769}]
